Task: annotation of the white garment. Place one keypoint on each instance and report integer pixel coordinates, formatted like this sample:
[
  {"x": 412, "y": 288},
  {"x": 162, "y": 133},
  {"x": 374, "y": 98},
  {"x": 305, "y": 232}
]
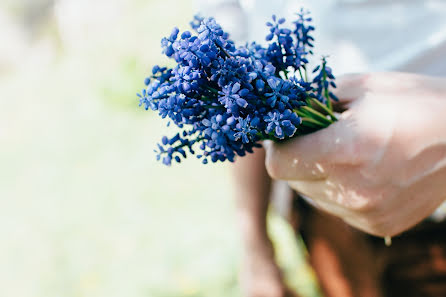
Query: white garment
[{"x": 358, "y": 35}]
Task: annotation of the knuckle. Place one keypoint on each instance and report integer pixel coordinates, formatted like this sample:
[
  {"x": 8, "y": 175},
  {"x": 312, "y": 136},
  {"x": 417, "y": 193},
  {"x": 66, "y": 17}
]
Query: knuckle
[
  {"x": 365, "y": 206},
  {"x": 273, "y": 168},
  {"x": 273, "y": 163}
]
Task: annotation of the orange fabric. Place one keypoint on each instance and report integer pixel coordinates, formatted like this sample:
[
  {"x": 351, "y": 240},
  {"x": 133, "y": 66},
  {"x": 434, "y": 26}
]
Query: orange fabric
[{"x": 350, "y": 263}]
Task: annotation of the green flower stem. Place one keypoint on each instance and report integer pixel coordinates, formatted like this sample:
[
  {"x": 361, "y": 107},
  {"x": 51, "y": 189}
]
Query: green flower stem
[
  {"x": 301, "y": 76},
  {"x": 186, "y": 144},
  {"x": 326, "y": 93},
  {"x": 285, "y": 72},
  {"x": 223, "y": 50},
  {"x": 317, "y": 115},
  {"x": 215, "y": 91},
  {"x": 311, "y": 119},
  {"x": 311, "y": 123},
  {"x": 303, "y": 113},
  {"x": 327, "y": 96},
  {"x": 324, "y": 107}
]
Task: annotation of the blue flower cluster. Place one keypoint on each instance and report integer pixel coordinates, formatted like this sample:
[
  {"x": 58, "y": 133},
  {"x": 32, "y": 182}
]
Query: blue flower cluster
[{"x": 226, "y": 99}]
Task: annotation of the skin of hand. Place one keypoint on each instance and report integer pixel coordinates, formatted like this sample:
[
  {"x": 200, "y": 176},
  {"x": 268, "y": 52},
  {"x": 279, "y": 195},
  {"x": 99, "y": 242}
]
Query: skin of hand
[
  {"x": 382, "y": 166},
  {"x": 260, "y": 275}
]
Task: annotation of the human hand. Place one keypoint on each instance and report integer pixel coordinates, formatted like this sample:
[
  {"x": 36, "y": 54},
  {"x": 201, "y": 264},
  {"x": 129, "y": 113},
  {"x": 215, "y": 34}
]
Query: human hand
[{"x": 382, "y": 166}]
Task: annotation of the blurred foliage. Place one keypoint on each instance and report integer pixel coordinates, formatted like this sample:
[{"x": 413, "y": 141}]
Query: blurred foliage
[{"x": 85, "y": 210}]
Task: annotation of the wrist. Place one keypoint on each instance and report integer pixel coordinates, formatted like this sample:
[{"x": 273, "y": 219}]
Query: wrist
[
  {"x": 253, "y": 228},
  {"x": 258, "y": 247}
]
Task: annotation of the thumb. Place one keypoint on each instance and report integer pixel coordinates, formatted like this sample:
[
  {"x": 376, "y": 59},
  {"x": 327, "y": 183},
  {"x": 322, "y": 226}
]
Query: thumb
[
  {"x": 308, "y": 157},
  {"x": 349, "y": 88}
]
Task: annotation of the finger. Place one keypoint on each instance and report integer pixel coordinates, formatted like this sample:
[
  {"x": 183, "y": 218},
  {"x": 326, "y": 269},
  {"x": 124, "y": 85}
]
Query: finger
[
  {"x": 351, "y": 86},
  {"x": 310, "y": 157},
  {"x": 329, "y": 196}
]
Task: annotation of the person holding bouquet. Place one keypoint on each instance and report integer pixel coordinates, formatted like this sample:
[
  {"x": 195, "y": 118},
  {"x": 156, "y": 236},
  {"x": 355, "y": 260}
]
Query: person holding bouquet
[{"x": 380, "y": 171}]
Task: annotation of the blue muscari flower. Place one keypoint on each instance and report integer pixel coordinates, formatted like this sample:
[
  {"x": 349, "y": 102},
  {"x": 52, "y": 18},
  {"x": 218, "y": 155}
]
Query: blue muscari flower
[
  {"x": 279, "y": 91},
  {"x": 196, "y": 22},
  {"x": 210, "y": 30},
  {"x": 323, "y": 80},
  {"x": 143, "y": 100},
  {"x": 275, "y": 29},
  {"x": 245, "y": 131},
  {"x": 185, "y": 50},
  {"x": 282, "y": 124},
  {"x": 303, "y": 31},
  {"x": 256, "y": 51},
  {"x": 282, "y": 52},
  {"x": 172, "y": 107},
  {"x": 167, "y": 42},
  {"x": 175, "y": 149},
  {"x": 186, "y": 79},
  {"x": 215, "y": 125},
  {"x": 260, "y": 85},
  {"x": 234, "y": 69},
  {"x": 226, "y": 99},
  {"x": 232, "y": 98},
  {"x": 194, "y": 52},
  {"x": 156, "y": 90}
]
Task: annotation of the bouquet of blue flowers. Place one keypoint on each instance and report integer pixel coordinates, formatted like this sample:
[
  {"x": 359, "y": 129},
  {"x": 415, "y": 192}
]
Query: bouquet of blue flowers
[{"x": 228, "y": 98}]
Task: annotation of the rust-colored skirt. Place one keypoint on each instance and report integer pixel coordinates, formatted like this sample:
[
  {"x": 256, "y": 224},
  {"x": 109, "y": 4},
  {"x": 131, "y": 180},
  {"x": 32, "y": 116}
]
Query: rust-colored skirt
[{"x": 350, "y": 263}]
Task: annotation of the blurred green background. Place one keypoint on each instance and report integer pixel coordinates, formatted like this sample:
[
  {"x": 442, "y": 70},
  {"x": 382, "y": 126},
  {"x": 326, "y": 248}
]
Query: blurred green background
[{"x": 85, "y": 210}]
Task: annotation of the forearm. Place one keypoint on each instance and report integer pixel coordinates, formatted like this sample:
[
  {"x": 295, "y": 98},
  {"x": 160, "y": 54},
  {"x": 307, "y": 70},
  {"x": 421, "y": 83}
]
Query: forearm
[
  {"x": 260, "y": 275},
  {"x": 252, "y": 190}
]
